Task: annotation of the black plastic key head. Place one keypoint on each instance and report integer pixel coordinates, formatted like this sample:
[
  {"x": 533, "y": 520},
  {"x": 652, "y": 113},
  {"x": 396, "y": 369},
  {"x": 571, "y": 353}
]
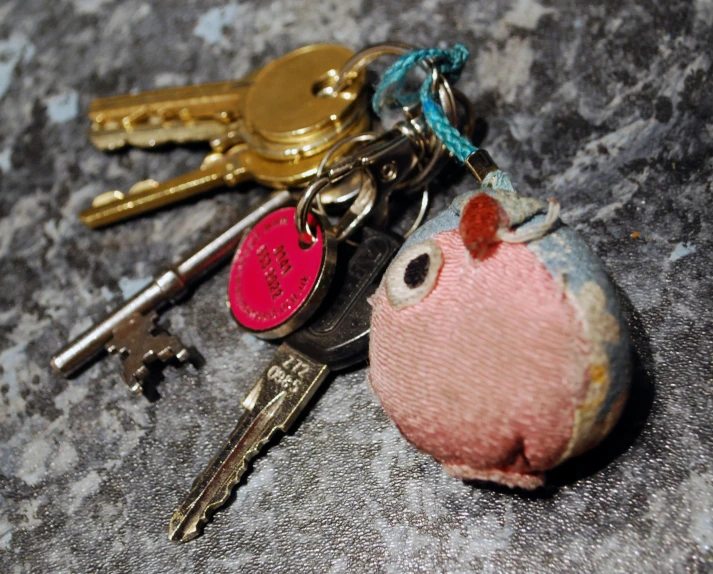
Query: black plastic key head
[{"x": 338, "y": 336}]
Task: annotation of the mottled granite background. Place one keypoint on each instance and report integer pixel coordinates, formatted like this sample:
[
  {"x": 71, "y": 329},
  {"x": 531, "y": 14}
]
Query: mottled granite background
[{"x": 606, "y": 105}]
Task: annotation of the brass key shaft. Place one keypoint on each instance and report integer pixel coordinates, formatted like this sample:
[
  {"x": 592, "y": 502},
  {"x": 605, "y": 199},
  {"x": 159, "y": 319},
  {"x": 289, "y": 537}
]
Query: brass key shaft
[
  {"x": 237, "y": 165},
  {"x": 228, "y": 170},
  {"x": 180, "y": 115}
]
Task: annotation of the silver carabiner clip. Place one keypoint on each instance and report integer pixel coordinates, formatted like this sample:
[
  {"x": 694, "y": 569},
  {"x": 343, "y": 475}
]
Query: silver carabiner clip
[
  {"x": 386, "y": 162},
  {"x": 405, "y": 157}
]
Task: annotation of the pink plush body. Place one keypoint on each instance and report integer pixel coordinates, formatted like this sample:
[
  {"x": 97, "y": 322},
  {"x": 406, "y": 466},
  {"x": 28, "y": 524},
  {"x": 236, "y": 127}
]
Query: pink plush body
[{"x": 484, "y": 373}]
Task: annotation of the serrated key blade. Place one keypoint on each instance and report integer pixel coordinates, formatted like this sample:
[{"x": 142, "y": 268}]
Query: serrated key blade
[
  {"x": 284, "y": 389},
  {"x": 178, "y": 114},
  {"x": 212, "y": 489}
]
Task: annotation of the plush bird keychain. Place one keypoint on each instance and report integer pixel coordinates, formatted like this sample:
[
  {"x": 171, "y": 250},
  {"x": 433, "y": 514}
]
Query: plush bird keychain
[{"x": 497, "y": 341}]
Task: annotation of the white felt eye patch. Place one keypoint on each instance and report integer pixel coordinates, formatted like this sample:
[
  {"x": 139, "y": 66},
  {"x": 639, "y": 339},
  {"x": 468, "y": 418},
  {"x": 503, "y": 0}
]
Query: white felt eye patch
[{"x": 413, "y": 274}]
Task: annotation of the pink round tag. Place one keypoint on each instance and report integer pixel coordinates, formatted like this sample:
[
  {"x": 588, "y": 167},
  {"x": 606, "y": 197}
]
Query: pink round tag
[{"x": 273, "y": 280}]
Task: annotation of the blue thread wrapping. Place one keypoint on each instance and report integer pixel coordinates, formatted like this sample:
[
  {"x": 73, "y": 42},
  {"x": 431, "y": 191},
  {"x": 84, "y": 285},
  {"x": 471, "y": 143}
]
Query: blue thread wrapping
[
  {"x": 499, "y": 180},
  {"x": 390, "y": 93}
]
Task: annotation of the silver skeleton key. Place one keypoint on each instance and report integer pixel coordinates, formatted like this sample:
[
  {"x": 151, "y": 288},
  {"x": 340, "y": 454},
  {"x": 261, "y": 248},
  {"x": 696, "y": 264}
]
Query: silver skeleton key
[
  {"x": 337, "y": 338},
  {"x": 135, "y": 338}
]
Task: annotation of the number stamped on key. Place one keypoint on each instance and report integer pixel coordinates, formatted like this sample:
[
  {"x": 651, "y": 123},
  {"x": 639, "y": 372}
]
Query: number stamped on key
[{"x": 290, "y": 374}]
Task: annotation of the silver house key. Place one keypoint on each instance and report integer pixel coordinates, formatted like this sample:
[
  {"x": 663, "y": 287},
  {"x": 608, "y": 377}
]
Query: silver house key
[{"x": 336, "y": 338}]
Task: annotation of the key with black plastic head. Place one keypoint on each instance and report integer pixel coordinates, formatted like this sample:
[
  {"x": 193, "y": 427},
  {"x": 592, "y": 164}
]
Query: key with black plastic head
[{"x": 337, "y": 338}]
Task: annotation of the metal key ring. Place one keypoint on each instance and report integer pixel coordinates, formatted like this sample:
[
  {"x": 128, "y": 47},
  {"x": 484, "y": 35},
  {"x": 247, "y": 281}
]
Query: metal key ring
[
  {"x": 313, "y": 192},
  {"x": 425, "y": 200},
  {"x": 361, "y": 60},
  {"x": 306, "y": 237},
  {"x": 364, "y": 202},
  {"x": 342, "y": 197},
  {"x": 442, "y": 87},
  {"x": 436, "y": 153},
  {"x": 354, "y": 65},
  {"x": 438, "y": 150},
  {"x": 357, "y": 138}
]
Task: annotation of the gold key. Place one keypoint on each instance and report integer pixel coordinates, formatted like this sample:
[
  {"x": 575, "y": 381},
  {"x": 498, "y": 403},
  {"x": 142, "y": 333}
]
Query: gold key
[
  {"x": 259, "y": 107},
  {"x": 179, "y": 115},
  {"x": 237, "y": 165},
  {"x": 284, "y": 130}
]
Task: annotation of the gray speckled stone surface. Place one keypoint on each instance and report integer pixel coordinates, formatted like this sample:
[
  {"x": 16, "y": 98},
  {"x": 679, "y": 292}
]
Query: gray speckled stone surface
[{"x": 605, "y": 105}]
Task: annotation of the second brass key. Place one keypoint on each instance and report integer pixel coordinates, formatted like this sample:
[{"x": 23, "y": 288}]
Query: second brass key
[
  {"x": 238, "y": 165},
  {"x": 276, "y": 101}
]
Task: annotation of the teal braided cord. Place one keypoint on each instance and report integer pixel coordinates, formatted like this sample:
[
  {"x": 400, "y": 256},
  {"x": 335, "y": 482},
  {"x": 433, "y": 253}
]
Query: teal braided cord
[
  {"x": 459, "y": 146},
  {"x": 449, "y": 63},
  {"x": 445, "y": 131}
]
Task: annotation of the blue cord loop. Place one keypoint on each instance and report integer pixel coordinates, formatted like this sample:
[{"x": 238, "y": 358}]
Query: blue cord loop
[{"x": 390, "y": 93}]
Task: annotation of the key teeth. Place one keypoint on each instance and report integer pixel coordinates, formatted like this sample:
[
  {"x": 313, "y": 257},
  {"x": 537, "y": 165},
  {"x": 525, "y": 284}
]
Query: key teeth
[
  {"x": 165, "y": 354},
  {"x": 140, "y": 343},
  {"x": 141, "y": 373},
  {"x": 107, "y": 198},
  {"x": 135, "y": 387},
  {"x": 143, "y": 185},
  {"x": 177, "y": 534},
  {"x": 175, "y": 531},
  {"x": 183, "y": 355}
]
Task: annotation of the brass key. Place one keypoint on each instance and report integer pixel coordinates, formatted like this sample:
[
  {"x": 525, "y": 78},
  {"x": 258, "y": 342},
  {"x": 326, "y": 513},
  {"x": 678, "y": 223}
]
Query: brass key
[
  {"x": 283, "y": 131},
  {"x": 179, "y": 115},
  {"x": 237, "y": 165},
  {"x": 261, "y": 103}
]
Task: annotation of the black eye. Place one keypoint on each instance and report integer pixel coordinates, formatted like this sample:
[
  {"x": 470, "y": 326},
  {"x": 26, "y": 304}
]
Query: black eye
[
  {"x": 413, "y": 274},
  {"x": 417, "y": 270}
]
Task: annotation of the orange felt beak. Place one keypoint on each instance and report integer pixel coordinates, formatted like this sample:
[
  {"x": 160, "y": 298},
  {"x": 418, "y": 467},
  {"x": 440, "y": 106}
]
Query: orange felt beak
[{"x": 479, "y": 222}]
